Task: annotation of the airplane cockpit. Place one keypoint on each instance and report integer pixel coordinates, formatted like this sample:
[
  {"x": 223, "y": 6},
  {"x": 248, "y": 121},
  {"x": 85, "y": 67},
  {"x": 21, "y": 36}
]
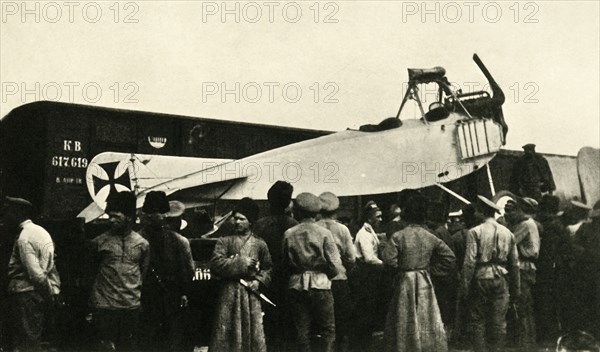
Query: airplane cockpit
[
  {"x": 478, "y": 104},
  {"x": 432, "y": 86}
]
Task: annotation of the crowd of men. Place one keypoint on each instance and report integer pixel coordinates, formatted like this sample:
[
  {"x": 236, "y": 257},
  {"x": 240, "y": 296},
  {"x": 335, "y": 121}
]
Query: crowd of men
[{"x": 298, "y": 279}]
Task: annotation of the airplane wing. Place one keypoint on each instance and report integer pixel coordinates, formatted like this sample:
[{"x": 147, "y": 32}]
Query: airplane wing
[
  {"x": 346, "y": 163},
  {"x": 350, "y": 163},
  {"x": 409, "y": 155},
  {"x": 588, "y": 167}
]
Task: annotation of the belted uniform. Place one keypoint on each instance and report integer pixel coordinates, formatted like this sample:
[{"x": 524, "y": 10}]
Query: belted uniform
[{"x": 490, "y": 271}]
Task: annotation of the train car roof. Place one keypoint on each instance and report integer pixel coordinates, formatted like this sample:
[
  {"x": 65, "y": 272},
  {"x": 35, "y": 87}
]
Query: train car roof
[{"x": 43, "y": 105}]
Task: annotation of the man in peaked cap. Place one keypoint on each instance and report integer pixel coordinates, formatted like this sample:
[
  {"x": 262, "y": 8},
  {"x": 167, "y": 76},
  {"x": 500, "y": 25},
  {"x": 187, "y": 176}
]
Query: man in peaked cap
[
  {"x": 468, "y": 217},
  {"x": 444, "y": 284},
  {"x": 33, "y": 281},
  {"x": 116, "y": 293},
  {"x": 311, "y": 259},
  {"x": 366, "y": 240},
  {"x": 166, "y": 289},
  {"x": 367, "y": 277},
  {"x": 342, "y": 296},
  {"x": 528, "y": 205},
  {"x": 271, "y": 228},
  {"x": 531, "y": 175},
  {"x": 490, "y": 277}
]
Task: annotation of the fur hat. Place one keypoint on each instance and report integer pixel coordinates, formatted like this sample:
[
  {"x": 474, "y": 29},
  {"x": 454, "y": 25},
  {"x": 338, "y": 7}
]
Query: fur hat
[
  {"x": 122, "y": 202},
  {"x": 248, "y": 208},
  {"x": 156, "y": 202},
  {"x": 308, "y": 202},
  {"x": 280, "y": 194},
  {"x": 329, "y": 202}
]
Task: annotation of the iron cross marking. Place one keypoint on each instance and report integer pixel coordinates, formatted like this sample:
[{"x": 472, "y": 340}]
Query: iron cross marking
[{"x": 110, "y": 169}]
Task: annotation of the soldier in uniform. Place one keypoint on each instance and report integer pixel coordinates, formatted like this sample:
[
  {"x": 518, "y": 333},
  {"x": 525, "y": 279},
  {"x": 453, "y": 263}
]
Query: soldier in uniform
[
  {"x": 311, "y": 259},
  {"x": 165, "y": 290},
  {"x": 531, "y": 175},
  {"x": 527, "y": 238},
  {"x": 342, "y": 297},
  {"x": 490, "y": 273}
]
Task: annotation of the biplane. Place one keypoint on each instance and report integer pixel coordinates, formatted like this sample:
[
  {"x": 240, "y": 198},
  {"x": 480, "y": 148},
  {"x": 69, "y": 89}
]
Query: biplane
[{"x": 457, "y": 135}]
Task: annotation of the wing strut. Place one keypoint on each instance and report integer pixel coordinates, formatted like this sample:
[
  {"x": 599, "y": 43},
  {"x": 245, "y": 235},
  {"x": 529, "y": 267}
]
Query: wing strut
[
  {"x": 452, "y": 193},
  {"x": 490, "y": 179}
]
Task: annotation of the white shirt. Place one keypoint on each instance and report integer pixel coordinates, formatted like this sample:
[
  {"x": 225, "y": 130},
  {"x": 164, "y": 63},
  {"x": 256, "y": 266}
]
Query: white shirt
[
  {"x": 31, "y": 264},
  {"x": 367, "y": 244}
]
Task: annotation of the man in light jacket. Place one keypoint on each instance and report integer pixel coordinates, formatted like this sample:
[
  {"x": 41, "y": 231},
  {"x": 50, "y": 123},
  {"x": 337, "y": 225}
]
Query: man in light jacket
[{"x": 33, "y": 280}]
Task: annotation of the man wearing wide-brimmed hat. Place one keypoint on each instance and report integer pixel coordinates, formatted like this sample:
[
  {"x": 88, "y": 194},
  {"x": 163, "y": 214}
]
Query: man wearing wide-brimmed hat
[
  {"x": 527, "y": 238},
  {"x": 166, "y": 288},
  {"x": 490, "y": 278},
  {"x": 575, "y": 215},
  {"x": 32, "y": 277},
  {"x": 311, "y": 259},
  {"x": 122, "y": 256}
]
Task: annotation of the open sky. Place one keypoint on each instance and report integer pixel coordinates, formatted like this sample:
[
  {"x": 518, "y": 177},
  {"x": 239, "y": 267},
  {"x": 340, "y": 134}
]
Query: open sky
[{"x": 322, "y": 65}]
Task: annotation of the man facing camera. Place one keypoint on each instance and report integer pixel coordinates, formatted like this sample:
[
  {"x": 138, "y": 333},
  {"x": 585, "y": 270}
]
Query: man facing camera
[{"x": 122, "y": 256}]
